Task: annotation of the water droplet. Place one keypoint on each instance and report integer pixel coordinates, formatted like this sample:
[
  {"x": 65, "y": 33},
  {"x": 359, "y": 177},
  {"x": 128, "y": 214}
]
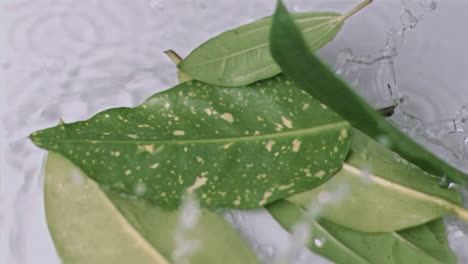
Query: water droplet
[
  {"x": 384, "y": 140},
  {"x": 429, "y": 5},
  {"x": 365, "y": 176},
  {"x": 140, "y": 188},
  {"x": 462, "y": 118},
  {"x": 118, "y": 185},
  {"x": 324, "y": 197},
  {"x": 51, "y": 112},
  {"x": 395, "y": 41},
  {"x": 452, "y": 185},
  {"x": 464, "y": 147},
  {"x": 266, "y": 251},
  {"x": 443, "y": 182},
  {"x": 344, "y": 56},
  {"x": 408, "y": 20},
  {"x": 319, "y": 242},
  {"x": 76, "y": 177},
  {"x": 186, "y": 246}
]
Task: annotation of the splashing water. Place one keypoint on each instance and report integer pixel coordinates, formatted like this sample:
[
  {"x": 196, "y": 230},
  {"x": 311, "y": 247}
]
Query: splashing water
[
  {"x": 375, "y": 78},
  {"x": 301, "y": 234},
  {"x": 188, "y": 219}
]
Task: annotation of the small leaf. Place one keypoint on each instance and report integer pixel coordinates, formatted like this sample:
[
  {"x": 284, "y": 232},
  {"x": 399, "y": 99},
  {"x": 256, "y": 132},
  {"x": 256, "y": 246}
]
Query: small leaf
[
  {"x": 383, "y": 191},
  {"x": 296, "y": 60},
  {"x": 233, "y": 147},
  {"x": 90, "y": 225},
  {"x": 341, "y": 245},
  {"x": 241, "y": 56}
]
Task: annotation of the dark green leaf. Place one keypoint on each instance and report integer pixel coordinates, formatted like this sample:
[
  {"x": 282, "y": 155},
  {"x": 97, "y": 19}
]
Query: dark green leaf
[
  {"x": 233, "y": 147},
  {"x": 241, "y": 56},
  {"x": 383, "y": 192},
  {"x": 90, "y": 225},
  {"x": 290, "y": 51},
  {"x": 420, "y": 244}
]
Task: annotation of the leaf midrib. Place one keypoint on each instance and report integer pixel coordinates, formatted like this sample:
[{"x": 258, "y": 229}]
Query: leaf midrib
[
  {"x": 265, "y": 44},
  {"x": 404, "y": 190},
  {"x": 340, "y": 243},
  {"x": 349, "y": 250},
  {"x": 411, "y": 245},
  {"x": 131, "y": 230},
  {"x": 216, "y": 140}
]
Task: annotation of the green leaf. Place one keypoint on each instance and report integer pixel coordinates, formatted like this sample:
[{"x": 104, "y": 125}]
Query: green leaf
[
  {"x": 92, "y": 225},
  {"x": 290, "y": 51},
  {"x": 241, "y": 56},
  {"x": 383, "y": 191},
  {"x": 233, "y": 147},
  {"x": 421, "y": 244}
]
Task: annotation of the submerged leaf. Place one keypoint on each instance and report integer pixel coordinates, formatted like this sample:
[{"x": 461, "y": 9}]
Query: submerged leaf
[
  {"x": 290, "y": 51},
  {"x": 383, "y": 192},
  {"x": 91, "y": 225},
  {"x": 241, "y": 56},
  {"x": 422, "y": 244},
  {"x": 233, "y": 147}
]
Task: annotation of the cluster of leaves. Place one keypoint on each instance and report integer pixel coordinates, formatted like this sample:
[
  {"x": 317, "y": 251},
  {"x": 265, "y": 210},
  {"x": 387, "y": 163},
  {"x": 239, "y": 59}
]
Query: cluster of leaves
[{"x": 242, "y": 136}]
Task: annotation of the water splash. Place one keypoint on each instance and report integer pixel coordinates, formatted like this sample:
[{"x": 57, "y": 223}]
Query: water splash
[
  {"x": 375, "y": 79},
  {"x": 186, "y": 246},
  {"x": 448, "y": 137},
  {"x": 374, "y": 74},
  {"x": 300, "y": 237},
  {"x": 302, "y": 233}
]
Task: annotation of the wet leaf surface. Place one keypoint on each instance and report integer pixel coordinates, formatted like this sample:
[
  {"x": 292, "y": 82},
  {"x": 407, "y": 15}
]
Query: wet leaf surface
[
  {"x": 92, "y": 225},
  {"x": 422, "y": 244},
  {"x": 233, "y": 147},
  {"x": 381, "y": 191}
]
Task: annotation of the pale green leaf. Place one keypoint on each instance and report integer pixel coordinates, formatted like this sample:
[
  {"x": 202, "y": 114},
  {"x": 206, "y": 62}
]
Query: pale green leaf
[
  {"x": 233, "y": 147},
  {"x": 383, "y": 192},
  {"x": 90, "y": 225},
  {"x": 241, "y": 56},
  {"x": 422, "y": 244}
]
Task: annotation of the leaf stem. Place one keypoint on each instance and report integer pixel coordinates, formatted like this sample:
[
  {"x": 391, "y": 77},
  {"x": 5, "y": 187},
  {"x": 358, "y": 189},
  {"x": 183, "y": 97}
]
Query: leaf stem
[
  {"x": 173, "y": 56},
  {"x": 461, "y": 213},
  {"x": 356, "y": 9},
  {"x": 182, "y": 76}
]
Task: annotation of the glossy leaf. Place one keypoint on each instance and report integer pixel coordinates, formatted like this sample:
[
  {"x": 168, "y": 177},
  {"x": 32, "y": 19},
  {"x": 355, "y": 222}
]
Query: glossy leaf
[
  {"x": 241, "y": 56},
  {"x": 233, "y": 147},
  {"x": 91, "y": 225},
  {"x": 296, "y": 60},
  {"x": 422, "y": 244},
  {"x": 383, "y": 192}
]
